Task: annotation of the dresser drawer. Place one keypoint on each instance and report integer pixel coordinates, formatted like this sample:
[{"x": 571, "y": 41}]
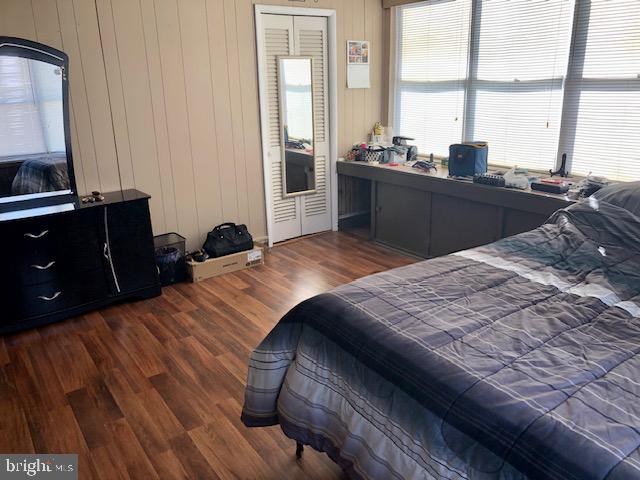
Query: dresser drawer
[
  {"x": 56, "y": 233},
  {"x": 66, "y": 263},
  {"x": 43, "y": 266},
  {"x": 40, "y": 250},
  {"x": 35, "y": 300}
]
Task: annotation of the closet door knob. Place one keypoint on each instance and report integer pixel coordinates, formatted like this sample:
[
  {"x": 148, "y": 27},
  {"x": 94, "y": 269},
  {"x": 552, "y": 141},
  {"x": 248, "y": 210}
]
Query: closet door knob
[
  {"x": 52, "y": 297},
  {"x": 44, "y": 267},
  {"x": 39, "y": 235}
]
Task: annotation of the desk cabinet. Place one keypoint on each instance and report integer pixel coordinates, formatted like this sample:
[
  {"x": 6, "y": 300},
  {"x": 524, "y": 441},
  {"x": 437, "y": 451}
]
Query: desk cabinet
[
  {"x": 515, "y": 221},
  {"x": 430, "y": 215},
  {"x": 458, "y": 224},
  {"x": 401, "y": 218}
]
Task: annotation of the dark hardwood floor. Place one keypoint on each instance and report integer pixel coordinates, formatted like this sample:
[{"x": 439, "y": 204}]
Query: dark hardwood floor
[{"x": 154, "y": 389}]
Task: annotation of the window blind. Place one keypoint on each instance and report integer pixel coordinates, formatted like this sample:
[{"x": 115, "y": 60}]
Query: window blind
[
  {"x": 433, "y": 50},
  {"x": 31, "y": 114},
  {"x": 541, "y": 78},
  {"x": 20, "y": 125},
  {"x": 601, "y": 130},
  {"x": 520, "y": 51}
]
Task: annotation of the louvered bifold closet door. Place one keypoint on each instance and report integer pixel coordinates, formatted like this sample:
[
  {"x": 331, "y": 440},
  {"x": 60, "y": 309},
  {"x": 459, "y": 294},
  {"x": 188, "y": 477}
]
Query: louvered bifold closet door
[
  {"x": 311, "y": 40},
  {"x": 278, "y": 41}
]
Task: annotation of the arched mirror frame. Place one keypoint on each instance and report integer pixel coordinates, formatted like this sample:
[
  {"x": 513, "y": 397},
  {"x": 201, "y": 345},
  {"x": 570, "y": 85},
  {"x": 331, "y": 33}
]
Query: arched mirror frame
[{"x": 19, "y": 47}]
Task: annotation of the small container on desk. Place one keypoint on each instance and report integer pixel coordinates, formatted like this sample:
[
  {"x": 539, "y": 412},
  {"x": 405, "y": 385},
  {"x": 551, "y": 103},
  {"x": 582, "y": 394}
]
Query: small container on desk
[
  {"x": 170, "y": 254},
  {"x": 368, "y": 153}
]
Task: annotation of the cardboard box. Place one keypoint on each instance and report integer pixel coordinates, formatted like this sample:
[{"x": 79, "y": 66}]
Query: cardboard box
[{"x": 213, "y": 267}]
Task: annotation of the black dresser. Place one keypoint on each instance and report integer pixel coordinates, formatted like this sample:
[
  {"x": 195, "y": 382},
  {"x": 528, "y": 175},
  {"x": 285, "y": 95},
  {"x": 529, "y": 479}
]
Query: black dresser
[{"x": 62, "y": 260}]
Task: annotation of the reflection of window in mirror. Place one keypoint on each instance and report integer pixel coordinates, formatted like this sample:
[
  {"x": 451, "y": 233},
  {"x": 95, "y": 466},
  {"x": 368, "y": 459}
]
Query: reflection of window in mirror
[
  {"x": 33, "y": 156},
  {"x": 298, "y": 102},
  {"x": 31, "y": 107},
  {"x": 297, "y": 123}
]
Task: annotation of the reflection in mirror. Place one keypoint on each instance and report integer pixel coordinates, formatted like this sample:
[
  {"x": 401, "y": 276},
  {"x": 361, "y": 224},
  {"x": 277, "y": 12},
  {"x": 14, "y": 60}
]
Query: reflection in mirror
[
  {"x": 296, "y": 112},
  {"x": 33, "y": 157}
]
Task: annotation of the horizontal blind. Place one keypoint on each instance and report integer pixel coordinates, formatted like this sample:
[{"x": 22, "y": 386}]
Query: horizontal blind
[
  {"x": 314, "y": 44},
  {"x": 276, "y": 43},
  {"x": 298, "y": 101},
  {"x": 601, "y": 133},
  {"x": 516, "y": 91},
  {"x": 433, "y": 47},
  {"x": 21, "y": 131}
]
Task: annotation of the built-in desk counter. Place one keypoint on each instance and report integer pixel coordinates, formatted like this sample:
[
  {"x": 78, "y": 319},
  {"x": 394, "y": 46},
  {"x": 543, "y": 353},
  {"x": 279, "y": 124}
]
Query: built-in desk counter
[{"x": 429, "y": 215}]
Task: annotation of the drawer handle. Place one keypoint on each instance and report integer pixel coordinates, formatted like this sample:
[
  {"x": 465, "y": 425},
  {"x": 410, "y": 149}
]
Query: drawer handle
[
  {"x": 52, "y": 297},
  {"x": 44, "y": 267},
  {"x": 40, "y": 235}
]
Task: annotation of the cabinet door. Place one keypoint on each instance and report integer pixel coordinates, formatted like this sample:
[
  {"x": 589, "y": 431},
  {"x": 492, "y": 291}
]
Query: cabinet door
[
  {"x": 402, "y": 218},
  {"x": 129, "y": 246},
  {"x": 458, "y": 224},
  {"x": 517, "y": 221}
]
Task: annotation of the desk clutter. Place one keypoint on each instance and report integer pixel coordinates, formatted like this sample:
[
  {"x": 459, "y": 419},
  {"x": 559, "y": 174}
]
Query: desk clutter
[
  {"x": 469, "y": 161},
  {"x": 489, "y": 179},
  {"x": 397, "y": 153}
]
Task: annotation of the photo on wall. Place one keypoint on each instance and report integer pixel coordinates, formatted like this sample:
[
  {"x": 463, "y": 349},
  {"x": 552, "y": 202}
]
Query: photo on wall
[
  {"x": 358, "y": 52},
  {"x": 358, "y": 60}
]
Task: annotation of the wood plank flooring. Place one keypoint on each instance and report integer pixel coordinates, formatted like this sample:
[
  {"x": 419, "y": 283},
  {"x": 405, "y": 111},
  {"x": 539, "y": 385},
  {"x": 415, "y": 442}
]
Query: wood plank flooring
[{"x": 154, "y": 389}]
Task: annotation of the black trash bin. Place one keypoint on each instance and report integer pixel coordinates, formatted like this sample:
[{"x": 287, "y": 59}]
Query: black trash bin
[{"x": 170, "y": 254}]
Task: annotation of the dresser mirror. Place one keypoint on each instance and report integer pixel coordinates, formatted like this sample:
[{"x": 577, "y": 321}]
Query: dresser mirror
[
  {"x": 297, "y": 129},
  {"x": 35, "y": 153}
]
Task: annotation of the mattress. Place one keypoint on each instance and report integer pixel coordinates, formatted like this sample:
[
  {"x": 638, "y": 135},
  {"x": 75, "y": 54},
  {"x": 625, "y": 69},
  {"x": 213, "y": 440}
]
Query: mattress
[{"x": 518, "y": 359}]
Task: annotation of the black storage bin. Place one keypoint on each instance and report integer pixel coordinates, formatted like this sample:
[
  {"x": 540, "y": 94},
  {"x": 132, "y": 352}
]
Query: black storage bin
[{"x": 170, "y": 253}]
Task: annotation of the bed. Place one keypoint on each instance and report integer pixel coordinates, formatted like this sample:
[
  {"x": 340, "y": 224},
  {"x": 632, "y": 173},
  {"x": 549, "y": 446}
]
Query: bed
[
  {"x": 41, "y": 173},
  {"x": 514, "y": 360}
]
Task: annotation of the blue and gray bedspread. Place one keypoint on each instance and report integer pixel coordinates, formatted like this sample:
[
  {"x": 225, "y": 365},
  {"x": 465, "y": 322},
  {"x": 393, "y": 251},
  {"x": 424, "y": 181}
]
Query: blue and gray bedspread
[
  {"x": 40, "y": 173},
  {"x": 518, "y": 359}
]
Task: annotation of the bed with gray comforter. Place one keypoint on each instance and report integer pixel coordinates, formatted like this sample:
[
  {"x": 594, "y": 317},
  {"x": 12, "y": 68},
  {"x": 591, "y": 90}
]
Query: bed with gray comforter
[
  {"x": 518, "y": 359},
  {"x": 40, "y": 173}
]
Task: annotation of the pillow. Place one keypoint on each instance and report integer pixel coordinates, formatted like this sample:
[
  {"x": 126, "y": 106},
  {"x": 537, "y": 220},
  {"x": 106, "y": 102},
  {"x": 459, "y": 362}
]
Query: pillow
[{"x": 624, "y": 195}]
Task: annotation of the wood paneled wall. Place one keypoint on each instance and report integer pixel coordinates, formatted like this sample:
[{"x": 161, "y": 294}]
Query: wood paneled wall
[{"x": 164, "y": 98}]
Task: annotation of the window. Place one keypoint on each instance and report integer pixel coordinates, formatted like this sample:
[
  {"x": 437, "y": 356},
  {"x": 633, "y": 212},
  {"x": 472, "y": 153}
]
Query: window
[
  {"x": 432, "y": 72},
  {"x": 534, "y": 78},
  {"x": 603, "y": 91},
  {"x": 516, "y": 87}
]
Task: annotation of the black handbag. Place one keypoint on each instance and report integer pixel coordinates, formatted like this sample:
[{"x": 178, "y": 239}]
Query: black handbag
[{"x": 228, "y": 238}]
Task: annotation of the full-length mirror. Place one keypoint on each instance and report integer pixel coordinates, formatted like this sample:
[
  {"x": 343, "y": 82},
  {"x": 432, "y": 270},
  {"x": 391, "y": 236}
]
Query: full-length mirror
[
  {"x": 35, "y": 159},
  {"x": 296, "y": 114}
]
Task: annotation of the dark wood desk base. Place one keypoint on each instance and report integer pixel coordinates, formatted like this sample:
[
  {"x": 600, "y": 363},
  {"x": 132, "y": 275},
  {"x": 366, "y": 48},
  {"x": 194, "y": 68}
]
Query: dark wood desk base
[{"x": 429, "y": 215}]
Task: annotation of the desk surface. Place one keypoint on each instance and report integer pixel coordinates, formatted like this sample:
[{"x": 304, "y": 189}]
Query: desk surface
[{"x": 439, "y": 182}]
